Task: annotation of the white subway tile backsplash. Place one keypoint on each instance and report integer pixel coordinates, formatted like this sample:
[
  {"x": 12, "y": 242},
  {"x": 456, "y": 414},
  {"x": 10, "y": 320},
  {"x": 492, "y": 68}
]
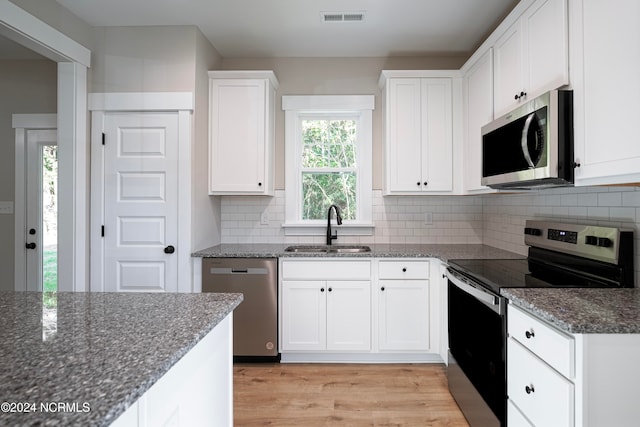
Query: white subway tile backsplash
[{"x": 493, "y": 219}]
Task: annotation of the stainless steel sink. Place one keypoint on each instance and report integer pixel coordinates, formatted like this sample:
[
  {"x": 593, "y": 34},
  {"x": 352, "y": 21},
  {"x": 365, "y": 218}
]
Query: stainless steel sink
[{"x": 328, "y": 249}]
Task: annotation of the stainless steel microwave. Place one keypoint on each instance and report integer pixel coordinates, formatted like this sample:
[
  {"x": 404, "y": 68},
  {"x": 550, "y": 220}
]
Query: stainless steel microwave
[{"x": 532, "y": 146}]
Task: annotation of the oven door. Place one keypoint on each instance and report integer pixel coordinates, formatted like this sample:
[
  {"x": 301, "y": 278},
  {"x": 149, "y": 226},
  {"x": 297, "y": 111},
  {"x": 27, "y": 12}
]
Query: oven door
[{"x": 477, "y": 351}]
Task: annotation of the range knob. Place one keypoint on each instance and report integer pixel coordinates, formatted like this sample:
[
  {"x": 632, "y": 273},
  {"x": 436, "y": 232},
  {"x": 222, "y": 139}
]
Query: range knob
[
  {"x": 591, "y": 240},
  {"x": 603, "y": 242},
  {"x": 533, "y": 231}
]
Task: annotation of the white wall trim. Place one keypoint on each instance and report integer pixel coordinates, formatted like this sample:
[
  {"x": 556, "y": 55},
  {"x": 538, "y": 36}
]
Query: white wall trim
[
  {"x": 73, "y": 60},
  {"x": 328, "y": 102},
  {"x": 103, "y": 103},
  {"x": 141, "y": 101},
  {"x": 27, "y": 30}
]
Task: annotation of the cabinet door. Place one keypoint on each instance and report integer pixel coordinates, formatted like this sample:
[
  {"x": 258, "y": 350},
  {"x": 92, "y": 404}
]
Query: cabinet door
[
  {"x": 403, "y": 314},
  {"x": 349, "y": 315},
  {"x": 605, "y": 50},
  {"x": 437, "y": 135},
  {"x": 545, "y": 24},
  {"x": 508, "y": 69},
  {"x": 478, "y": 91},
  {"x": 237, "y": 135},
  {"x": 403, "y": 135},
  {"x": 304, "y": 315}
]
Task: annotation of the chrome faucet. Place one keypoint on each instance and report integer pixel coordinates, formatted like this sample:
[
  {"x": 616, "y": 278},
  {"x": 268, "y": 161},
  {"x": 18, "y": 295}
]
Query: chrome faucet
[{"x": 330, "y": 236}]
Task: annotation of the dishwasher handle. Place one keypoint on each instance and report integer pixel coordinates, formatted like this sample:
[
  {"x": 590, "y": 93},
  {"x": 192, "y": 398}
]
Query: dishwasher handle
[{"x": 236, "y": 271}]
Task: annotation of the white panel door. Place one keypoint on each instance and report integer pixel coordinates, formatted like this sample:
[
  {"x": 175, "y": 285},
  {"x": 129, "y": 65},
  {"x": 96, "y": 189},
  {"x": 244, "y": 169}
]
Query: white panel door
[
  {"x": 141, "y": 202},
  {"x": 508, "y": 70},
  {"x": 304, "y": 315}
]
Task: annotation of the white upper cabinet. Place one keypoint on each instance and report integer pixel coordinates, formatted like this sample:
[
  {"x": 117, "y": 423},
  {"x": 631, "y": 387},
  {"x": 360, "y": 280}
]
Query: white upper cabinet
[
  {"x": 241, "y": 132},
  {"x": 478, "y": 111},
  {"x": 531, "y": 56},
  {"x": 418, "y": 133},
  {"x": 605, "y": 59}
]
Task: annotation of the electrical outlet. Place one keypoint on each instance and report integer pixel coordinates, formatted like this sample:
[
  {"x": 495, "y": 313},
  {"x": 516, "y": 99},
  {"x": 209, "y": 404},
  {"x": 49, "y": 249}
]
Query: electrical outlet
[
  {"x": 428, "y": 218},
  {"x": 6, "y": 208},
  {"x": 264, "y": 218}
]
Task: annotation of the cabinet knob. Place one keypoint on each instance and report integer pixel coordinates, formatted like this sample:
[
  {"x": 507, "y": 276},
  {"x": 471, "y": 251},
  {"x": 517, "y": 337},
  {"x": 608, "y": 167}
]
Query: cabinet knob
[
  {"x": 382, "y": 288},
  {"x": 259, "y": 184},
  {"x": 330, "y": 289},
  {"x": 404, "y": 269},
  {"x": 169, "y": 249},
  {"x": 425, "y": 183},
  {"x": 529, "y": 389},
  {"x": 321, "y": 289},
  {"x": 529, "y": 334},
  {"x": 418, "y": 183},
  {"x": 520, "y": 95},
  {"x": 30, "y": 245}
]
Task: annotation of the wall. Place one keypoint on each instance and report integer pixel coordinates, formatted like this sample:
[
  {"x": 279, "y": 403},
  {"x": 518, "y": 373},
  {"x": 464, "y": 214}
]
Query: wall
[
  {"x": 504, "y": 215},
  {"x": 205, "y": 220},
  {"x": 493, "y": 219},
  {"x": 336, "y": 76},
  {"x": 26, "y": 87}
]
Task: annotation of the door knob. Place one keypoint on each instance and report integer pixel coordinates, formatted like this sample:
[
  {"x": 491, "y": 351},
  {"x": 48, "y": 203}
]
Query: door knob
[
  {"x": 169, "y": 249},
  {"x": 30, "y": 245}
]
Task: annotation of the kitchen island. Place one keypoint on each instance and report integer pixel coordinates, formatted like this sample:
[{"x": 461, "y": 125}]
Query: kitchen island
[{"x": 85, "y": 358}]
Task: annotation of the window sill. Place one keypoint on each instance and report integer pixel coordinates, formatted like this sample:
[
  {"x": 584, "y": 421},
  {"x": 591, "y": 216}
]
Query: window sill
[{"x": 321, "y": 230}]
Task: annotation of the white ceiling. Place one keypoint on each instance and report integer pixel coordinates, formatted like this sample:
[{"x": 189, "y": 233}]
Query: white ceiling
[{"x": 293, "y": 28}]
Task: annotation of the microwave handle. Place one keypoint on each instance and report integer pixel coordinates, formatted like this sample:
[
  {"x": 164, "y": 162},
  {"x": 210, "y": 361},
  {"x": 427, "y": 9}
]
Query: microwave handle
[{"x": 524, "y": 142}]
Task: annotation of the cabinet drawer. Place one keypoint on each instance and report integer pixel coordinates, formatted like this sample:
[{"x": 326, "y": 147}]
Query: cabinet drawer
[
  {"x": 326, "y": 270},
  {"x": 403, "y": 269},
  {"x": 551, "y": 345},
  {"x": 544, "y": 396},
  {"x": 515, "y": 417}
]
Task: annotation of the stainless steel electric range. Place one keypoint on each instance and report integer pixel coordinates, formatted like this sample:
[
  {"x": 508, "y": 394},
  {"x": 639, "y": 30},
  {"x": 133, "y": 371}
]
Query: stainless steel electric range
[{"x": 560, "y": 255}]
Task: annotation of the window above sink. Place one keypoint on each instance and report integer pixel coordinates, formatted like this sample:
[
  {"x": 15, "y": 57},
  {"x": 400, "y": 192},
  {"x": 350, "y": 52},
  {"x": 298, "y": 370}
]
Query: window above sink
[{"x": 328, "y": 145}]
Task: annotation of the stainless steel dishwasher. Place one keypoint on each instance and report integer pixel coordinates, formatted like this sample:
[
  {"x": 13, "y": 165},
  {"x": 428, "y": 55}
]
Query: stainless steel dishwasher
[{"x": 255, "y": 321}]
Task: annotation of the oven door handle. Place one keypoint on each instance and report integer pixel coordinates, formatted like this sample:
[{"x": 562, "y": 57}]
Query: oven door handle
[{"x": 490, "y": 300}]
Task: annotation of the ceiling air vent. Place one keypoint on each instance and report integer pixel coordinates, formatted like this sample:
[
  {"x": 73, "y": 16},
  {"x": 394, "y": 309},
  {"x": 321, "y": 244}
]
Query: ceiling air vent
[{"x": 342, "y": 16}]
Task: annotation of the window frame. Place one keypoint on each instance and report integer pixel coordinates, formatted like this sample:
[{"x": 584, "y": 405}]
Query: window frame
[{"x": 352, "y": 107}]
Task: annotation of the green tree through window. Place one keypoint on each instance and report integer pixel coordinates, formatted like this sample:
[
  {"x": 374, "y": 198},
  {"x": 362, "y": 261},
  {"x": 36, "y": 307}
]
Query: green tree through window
[{"x": 329, "y": 168}]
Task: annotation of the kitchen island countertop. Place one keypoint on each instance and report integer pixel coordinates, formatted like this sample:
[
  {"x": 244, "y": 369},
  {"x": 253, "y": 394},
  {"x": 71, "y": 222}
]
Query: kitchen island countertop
[
  {"x": 582, "y": 311},
  {"x": 444, "y": 252},
  {"x": 83, "y": 358}
]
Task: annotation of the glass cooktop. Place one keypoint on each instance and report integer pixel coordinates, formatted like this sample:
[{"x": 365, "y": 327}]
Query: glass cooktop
[{"x": 501, "y": 273}]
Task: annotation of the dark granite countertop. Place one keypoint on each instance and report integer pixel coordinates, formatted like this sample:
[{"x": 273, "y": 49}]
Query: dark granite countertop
[
  {"x": 444, "y": 252},
  {"x": 582, "y": 311},
  {"x": 95, "y": 352}
]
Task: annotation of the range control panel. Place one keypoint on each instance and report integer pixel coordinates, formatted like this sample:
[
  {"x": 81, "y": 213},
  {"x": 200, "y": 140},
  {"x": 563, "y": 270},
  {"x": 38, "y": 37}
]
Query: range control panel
[{"x": 590, "y": 241}]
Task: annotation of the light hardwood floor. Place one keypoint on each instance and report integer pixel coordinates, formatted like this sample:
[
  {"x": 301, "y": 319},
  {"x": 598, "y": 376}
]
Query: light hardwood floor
[{"x": 310, "y": 395}]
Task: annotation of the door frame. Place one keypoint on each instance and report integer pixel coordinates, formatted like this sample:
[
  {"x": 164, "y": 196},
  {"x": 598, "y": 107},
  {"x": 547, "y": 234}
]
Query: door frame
[
  {"x": 101, "y": 104},
  {"x": 73, "y": 61},
  {"x": 22, "y": 123}
]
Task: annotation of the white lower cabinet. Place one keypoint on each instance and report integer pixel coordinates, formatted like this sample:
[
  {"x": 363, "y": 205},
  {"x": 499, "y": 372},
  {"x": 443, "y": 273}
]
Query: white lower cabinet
[
  {"x": 559, "y": 379},
  {"x": 362, "y": 310},
  {"x": 326, "y": 315},
  {"x": 403, "y": 305},
  {"x": 325, "y": 305}
]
